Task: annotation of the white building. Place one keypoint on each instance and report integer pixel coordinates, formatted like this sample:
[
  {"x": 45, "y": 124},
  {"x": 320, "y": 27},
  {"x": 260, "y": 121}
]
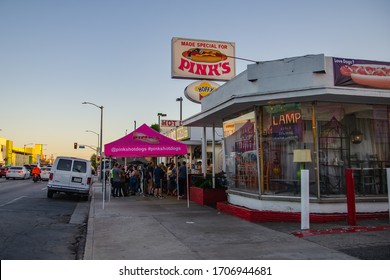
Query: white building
[{"x": 316, "y": 103}]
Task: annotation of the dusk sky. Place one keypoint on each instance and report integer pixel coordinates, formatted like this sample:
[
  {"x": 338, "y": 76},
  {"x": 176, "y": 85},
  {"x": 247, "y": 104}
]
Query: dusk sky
[{"x": 56, "y": 54}]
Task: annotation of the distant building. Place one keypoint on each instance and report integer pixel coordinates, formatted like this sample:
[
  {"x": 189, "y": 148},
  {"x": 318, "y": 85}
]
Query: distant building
[{"x": 12, "y": 155}]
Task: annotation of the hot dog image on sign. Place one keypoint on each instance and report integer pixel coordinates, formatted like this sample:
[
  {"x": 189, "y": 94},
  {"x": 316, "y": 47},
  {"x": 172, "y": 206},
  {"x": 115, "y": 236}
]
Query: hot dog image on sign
[
  {"x": 361, "y": 73},
  {"x": 206, "y": 60}
]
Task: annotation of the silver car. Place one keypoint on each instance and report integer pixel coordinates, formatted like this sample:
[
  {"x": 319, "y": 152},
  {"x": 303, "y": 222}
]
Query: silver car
[
  {"x": 45, "y": 173},
  {"x": 17, "y": 172}
]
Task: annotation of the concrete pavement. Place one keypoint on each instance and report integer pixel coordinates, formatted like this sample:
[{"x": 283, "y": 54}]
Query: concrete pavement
[{"x": 147, "y": 228}]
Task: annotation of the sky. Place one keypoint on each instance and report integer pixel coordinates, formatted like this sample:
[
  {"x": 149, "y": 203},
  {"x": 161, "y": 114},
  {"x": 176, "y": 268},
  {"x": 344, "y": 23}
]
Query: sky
[{"x": 56, "y": 54}]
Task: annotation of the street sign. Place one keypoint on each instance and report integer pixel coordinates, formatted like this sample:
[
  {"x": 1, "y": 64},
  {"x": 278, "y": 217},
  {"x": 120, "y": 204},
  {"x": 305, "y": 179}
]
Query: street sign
[{"x": 81, "y": 147}]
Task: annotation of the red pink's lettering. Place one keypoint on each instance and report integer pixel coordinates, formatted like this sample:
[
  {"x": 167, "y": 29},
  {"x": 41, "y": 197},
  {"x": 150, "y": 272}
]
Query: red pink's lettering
[{"x": 208, "y": 69}]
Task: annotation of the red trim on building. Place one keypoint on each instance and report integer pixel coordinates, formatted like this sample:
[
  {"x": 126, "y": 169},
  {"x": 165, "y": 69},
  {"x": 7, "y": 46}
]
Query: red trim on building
[{"x": 276, "y": 216}]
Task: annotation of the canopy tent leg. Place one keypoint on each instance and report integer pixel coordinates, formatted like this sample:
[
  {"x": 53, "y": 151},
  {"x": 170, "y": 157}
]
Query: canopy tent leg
[
  {"x": 188, "y": 189},
  {"x": 104, "y": 179}
]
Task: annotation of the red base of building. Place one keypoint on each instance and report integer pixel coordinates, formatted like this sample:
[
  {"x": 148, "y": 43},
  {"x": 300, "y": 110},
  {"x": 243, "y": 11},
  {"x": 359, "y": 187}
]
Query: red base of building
[
  {"x": 206, "y": 196},
  {"x": 275, "y": 216}
]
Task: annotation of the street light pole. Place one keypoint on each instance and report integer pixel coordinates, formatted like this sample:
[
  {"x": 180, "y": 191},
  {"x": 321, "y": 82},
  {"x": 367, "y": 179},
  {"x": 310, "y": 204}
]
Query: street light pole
[
  {"x": 160, "y": 115},
  {"x": 180, "y": 99},
  {"x": 101, "y": 134}
]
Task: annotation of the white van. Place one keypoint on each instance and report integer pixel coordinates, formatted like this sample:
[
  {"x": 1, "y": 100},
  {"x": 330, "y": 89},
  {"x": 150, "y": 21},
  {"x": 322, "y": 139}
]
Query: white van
[{"x": 70, "y": 175}]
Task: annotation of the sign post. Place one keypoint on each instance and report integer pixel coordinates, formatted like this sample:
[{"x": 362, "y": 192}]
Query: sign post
[{"x": 351, "y": 206}]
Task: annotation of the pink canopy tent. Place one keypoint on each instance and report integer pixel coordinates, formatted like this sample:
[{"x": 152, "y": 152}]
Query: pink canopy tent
[{"x": 144, "y": 142}]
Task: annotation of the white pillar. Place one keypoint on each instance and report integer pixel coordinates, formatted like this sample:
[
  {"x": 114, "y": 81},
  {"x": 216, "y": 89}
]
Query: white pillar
[
  {"x": 305, "y": 211},
  {"x": 213, "y": 157},
  {"x": 204, "y": 152}
]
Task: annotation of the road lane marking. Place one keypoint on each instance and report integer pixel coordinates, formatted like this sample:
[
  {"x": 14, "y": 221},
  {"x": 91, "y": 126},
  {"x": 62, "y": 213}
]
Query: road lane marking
[{"x": 13, "y": 200}]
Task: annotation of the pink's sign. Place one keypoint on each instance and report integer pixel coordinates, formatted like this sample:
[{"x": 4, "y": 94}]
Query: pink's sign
[{"x": 199, "y": 59}]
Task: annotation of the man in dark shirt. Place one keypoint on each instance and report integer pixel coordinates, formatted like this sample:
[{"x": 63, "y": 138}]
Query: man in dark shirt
[
  {"x": 182, "y": 178},
  {"x": 116, "y": 180},
  {"x": 158, "y": 176}
]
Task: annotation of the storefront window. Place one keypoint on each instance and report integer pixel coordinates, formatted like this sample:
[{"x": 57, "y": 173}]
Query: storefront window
[
  {"x": 336, "y": 136},
  {"x": 353, "y": 136},
  {"x": 241, "y": 153},
  {"x": 287, "y": 129}
]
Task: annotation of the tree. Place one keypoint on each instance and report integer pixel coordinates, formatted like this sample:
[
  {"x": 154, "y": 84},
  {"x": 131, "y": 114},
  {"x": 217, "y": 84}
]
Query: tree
[
  {"x": 156, "y": 127},
  {"x": 93, "y": 161}
]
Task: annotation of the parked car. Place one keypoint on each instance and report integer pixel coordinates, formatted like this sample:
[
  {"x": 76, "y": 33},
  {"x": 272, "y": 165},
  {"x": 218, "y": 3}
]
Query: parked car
[
  {"x": 3, "y": 170},
  {"x": 71, "y": 176},
  {"x": 28, "y": 167},
  {"x": 45, "y": 173},
  {"x": 17, "y": 172}
]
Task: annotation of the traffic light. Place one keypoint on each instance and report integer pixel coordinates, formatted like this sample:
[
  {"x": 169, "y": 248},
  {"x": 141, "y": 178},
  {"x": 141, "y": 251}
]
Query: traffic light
[{"x": 75, "y": 145}]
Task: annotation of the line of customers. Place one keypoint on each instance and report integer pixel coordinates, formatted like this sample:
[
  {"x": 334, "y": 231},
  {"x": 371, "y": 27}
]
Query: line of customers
[
  {"x": 148, "y": 180},
  {"x": 125, "y": 182},
  {"x": 166, "y": 178}
]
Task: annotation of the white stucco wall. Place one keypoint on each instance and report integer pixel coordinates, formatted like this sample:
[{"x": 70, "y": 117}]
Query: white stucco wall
[
  {"x": 295, "y": 206},
  {"x": 197, "y": 133},
  {"x": 278, "y": 75}
]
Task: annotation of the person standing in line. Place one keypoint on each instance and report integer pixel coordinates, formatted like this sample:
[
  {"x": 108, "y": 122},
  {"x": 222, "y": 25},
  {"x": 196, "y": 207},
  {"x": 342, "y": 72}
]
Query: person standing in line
[
  {"x": 163, "y": 167},
  {"x": 164, "y": 184},
  {"x": 134, "y": 180},
  {"x": 149, "y": 177},
  {"x": 171, "y": 178},
  {"x": 127, "y": 180},
  {"x": 182, "y": 178},
  {"x": 122, "y": 189},
  {"x": 142, "y": 180},
  {"x": 158, "y": 177},
  {"x": 111, "y": 175},
  {"x": 116, "y": 180},
  {"x": 175, "y": 171}
]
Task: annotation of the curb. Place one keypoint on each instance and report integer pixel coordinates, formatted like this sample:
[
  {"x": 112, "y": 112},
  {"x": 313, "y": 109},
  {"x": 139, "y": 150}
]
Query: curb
[
  {"x": 307, "y": 233},
  {"x": 88, "y": 251}
]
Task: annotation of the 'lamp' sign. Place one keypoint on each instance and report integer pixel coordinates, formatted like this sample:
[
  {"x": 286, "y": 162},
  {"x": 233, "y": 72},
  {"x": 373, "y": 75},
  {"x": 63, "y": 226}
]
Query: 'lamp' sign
[
  {"x": 197, "y": 90},
  {"x": 199, "y": 59},
  {"x": 287, "y": 125}
]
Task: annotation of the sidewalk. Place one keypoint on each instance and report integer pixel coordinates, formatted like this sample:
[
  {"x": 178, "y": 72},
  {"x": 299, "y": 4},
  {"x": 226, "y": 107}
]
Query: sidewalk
[{"x": 147, "y": 228}]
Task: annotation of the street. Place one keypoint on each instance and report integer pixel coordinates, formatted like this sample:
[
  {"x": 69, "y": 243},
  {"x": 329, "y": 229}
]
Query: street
[{"x": 33, "y": 227}]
